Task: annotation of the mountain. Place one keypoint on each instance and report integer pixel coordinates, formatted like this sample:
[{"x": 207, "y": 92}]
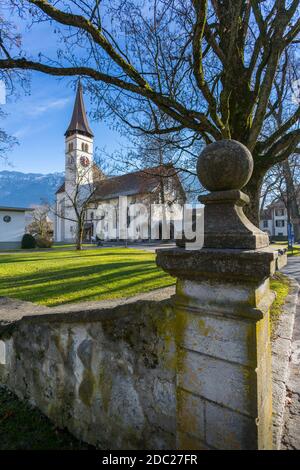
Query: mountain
[{"x": 24, "y": 189}]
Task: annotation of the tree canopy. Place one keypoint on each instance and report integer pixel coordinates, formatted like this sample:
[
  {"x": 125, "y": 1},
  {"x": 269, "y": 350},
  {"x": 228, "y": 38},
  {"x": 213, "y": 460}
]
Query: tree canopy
[{"x": 209, "y": 66}]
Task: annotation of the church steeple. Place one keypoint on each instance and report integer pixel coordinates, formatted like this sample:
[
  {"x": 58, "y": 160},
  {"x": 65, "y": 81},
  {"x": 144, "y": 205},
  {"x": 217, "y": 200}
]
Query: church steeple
[{"x": 79, "y": 123}]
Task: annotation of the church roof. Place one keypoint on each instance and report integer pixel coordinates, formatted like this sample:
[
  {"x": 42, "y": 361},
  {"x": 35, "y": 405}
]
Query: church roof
[
  {"x": 16, "y": 209},
  {"x": 61, "y": 189},
  {"x": 140, "y": 182},
  {"x": 79, "y": 122}
]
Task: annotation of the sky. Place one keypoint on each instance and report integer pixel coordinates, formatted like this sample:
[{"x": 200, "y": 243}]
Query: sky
[{"x": 39, "y": 120}]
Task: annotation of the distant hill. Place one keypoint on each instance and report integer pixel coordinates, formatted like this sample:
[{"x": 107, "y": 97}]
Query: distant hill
[{"x": 24, "y": 189}]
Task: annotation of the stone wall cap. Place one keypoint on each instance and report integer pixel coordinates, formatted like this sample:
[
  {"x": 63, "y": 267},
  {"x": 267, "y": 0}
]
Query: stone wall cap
[
  {"x": 221, "y": 263},
  {"x": 269, "y": 252},
  {"x": 77, "y": 312}
]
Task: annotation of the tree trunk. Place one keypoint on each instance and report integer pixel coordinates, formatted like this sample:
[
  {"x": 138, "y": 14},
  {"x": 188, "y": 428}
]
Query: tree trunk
[
  {"x": 79, "y": 237},
  {"x": 253, "y": 190}
]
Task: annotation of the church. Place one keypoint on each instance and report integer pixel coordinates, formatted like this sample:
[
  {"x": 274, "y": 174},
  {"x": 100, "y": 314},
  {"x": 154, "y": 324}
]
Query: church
[{"x": 155, "y": 185}]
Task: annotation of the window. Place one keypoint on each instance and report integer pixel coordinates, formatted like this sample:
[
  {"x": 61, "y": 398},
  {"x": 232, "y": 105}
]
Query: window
[
  {"x": 86, "y": 148},
  {"x": 279, "y": 212},
  {"x": 82, "y": 146},
  {"x": 92, "y": 215},
  {"x": 265, "y": 223},
  {"x": 7, "y": 218},
  {"x": 70, "y": 146},
  {"x": 280, "y": 223}
]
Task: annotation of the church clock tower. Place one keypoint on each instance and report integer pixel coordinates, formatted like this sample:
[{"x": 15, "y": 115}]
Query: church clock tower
[
  {"x": 79, "y": 147},
  {"x": 79, "y": 169}
]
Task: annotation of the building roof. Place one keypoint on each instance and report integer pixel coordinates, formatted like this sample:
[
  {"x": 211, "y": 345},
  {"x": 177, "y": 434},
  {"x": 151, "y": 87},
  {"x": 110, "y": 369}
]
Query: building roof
[
  {"x": 16, "y": 209},
  {"x": 79, "y": 122},
  {"x": 140, "y": 182},
  {"x": 281, "y": 201},
  {"x": 277, "y": 204},
  {"x": 61, "y": 189},
  {"x": 266, "y": 214}
]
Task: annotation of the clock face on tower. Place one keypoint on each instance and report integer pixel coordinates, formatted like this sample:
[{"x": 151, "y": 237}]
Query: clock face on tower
[{"x": 84, "y": 161}]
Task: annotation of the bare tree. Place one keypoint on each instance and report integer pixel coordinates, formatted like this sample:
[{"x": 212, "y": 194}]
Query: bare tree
[
  {"x": 209, "y": 65},
  {"x": 157, "y": 151},
  {"x": 9, "y": 39},
  {"x": 78, "y": 198},
  {"x": 282, "y": 179},
  {"x": 282, "y": 183},
  {"x": 292, "y": 198},
  {"x": 40, "y": 226},
  {"x": 6, "y": 141}
]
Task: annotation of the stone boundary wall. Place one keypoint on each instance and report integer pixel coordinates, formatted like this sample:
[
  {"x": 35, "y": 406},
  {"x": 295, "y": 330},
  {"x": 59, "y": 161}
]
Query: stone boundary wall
[
  {"x": 281, "y": 352},
  {"x": 107, "y": 374},
  {"x": 107, "y": 370}
]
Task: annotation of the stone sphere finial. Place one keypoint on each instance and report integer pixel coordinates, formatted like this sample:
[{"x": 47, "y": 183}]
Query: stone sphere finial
[{"x": 225, "y": 165}]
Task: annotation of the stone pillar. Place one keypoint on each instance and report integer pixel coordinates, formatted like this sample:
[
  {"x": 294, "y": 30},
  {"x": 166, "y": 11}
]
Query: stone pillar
[{"x": 224, "y": 393}]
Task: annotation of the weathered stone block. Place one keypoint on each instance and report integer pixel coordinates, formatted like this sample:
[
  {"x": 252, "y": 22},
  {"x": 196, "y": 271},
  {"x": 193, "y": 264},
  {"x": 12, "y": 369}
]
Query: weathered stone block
[
  {"x": 262, "y": 339},
  {"x": 228, "y": 430},
  {"x": 223, "y": 382},
  {"x": 187, "y": 442},
  {"x": 264, "y": 422},
  {"x": 191, "y": 414},
  {"x": 217, "y": 336}
]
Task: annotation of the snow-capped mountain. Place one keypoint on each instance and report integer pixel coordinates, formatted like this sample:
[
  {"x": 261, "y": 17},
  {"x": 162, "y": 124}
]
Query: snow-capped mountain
[{"x": 25, "y": 189}]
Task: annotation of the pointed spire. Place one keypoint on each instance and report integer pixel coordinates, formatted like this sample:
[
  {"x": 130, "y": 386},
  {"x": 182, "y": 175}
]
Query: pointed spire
[{"x": 79, "y": 123}]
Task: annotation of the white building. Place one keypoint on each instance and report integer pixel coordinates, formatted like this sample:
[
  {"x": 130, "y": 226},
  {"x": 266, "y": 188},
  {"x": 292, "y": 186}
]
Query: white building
[
  {"x": 274, "y": 220},
  {"x": 83, "y": 176},
  {"x": 13, "y": 222}
]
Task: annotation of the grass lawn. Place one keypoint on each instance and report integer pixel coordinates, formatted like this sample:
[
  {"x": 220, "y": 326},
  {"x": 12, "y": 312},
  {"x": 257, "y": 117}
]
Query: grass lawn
[
  {"x": 58, "y": 277},
  {"x": 25, "y": 428},
  {"x": 295, "y": 251},
  {"x": 296, "y": 248}
]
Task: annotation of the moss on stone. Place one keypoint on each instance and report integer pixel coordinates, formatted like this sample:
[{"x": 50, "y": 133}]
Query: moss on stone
[
  {"x": 204, "y": 330},
  {"x": 280, "y": 284},
  {"x": 105, "y": 387},
  {"x": 87, "y": 387}
]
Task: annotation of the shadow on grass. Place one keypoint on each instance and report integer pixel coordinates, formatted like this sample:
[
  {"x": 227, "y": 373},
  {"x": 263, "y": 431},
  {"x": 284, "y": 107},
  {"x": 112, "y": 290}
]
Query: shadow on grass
[
  {"x": 20, "y": 258},
  {"x": 60, "y": 286},
  {"x": 110, "y": 270}
]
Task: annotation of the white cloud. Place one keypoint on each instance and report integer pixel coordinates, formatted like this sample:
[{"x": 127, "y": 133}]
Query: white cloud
[
  {"x": 22, "y": 132},
  {"x": 39, "y": 109},
  {"x": 29, "y": 130}
]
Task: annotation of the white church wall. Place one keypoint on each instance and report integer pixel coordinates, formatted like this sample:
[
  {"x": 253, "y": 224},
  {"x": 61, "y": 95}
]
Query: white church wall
[{"x": 145, "y": 199}]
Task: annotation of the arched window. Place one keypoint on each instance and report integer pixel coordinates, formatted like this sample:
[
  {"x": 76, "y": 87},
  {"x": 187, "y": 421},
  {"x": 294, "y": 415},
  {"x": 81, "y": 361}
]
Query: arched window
[
  {"x": 70, "y": 146},
  {"x": 82, "y": 146},
  {"x": 92, "y": 215},
  {"x": 86, "y": 147}
]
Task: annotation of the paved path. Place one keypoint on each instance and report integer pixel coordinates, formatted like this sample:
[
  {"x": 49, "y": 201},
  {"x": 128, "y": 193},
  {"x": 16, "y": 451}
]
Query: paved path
[
  {"x": 291, "y": 432},
  {"x": 293, "y": 267}
]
